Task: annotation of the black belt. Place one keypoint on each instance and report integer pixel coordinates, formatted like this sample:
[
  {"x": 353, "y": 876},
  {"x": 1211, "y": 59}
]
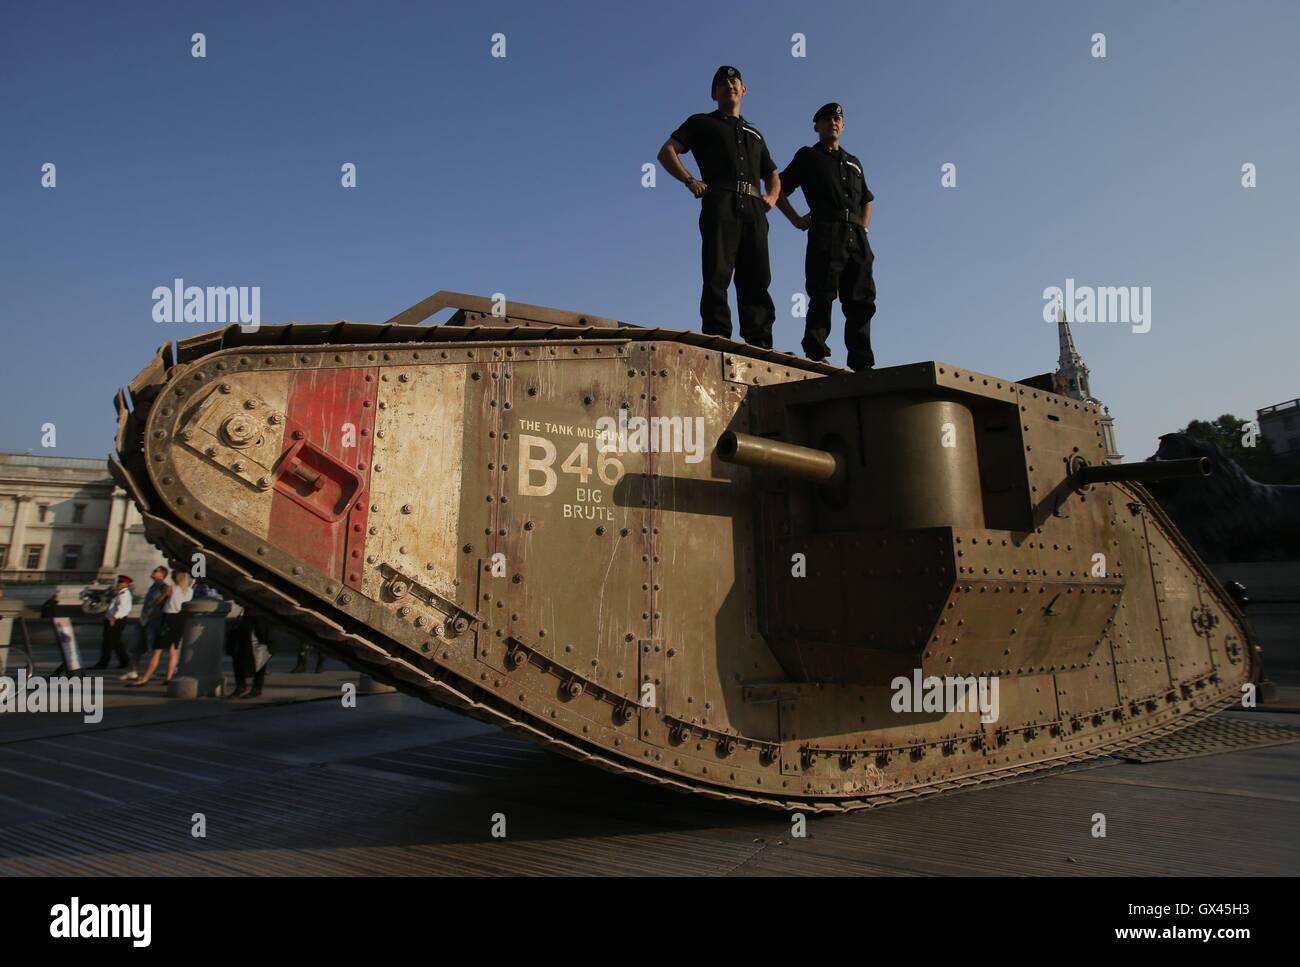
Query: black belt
[
  {"x": 739, "y": 187},
  {"x": 841, "y": 217}
]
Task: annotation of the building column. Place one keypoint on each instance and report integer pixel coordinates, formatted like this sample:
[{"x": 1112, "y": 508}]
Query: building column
[
  {"x": 115, "y": 533},
  {"x": 1108, "y": 437},
  {"x": 17, "y": 549}
]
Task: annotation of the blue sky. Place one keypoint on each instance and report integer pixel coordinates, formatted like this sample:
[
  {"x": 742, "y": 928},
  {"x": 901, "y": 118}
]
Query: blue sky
[{"x": 522, "y": 175}]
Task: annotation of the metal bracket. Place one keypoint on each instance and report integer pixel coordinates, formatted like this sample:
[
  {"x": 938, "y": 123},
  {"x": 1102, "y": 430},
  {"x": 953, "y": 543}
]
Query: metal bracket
[
  {"x": 233, "y": 431},
  {"x": 398, "y": 585}
]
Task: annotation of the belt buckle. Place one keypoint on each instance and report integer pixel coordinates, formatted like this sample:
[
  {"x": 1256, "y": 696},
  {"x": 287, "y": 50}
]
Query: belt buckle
[{"x": 745, "y": 187}]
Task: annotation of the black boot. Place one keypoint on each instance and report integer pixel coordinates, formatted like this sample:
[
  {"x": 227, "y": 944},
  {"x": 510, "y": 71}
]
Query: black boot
[
  {"x": 320, "y": 662},
  {"x": 301, "y": 666}
]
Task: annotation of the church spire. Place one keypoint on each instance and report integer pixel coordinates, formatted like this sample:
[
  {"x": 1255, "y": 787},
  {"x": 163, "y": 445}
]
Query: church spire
[
  {"x": 1070, "y": 365},
  {"x": 1071, "y": 369}
]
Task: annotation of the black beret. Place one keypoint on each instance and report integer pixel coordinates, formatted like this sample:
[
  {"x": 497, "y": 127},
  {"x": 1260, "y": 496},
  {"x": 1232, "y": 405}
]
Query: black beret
[
  {"x": 721, "y": 74},
  {"x": 831, "y": 110}
]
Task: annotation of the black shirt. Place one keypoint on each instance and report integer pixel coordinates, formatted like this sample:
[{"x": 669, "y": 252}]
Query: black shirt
[
  {"x": 728, "y": 149},
  {"x": 832, "y": 181}
]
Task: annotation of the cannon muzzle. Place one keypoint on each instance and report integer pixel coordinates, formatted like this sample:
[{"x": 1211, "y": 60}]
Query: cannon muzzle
[
  {"x": 1148, "y": 471},
  {"x": 792, "y": 460}
]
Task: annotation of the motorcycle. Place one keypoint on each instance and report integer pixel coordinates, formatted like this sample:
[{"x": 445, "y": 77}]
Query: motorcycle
[{"x": 95, "y": 600}]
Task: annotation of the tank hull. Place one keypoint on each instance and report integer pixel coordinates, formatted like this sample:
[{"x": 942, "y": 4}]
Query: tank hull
[{"x": 529, "y": 523}]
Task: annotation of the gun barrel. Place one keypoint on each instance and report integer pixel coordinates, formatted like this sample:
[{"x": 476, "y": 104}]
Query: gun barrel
[
  {"x": 1144, "y": 472},
  {"x": 805, "y": 463}
]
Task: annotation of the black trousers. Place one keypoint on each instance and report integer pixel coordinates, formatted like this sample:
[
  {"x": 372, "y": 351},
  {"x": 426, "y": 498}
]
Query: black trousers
[
  {"x": 838, "y": 262},
  {"x": 733, "y": 233},
  {"x": 112, "y": 644},
  {"x": 245, "y": 659},
  {"x": 246, "y": 663}
]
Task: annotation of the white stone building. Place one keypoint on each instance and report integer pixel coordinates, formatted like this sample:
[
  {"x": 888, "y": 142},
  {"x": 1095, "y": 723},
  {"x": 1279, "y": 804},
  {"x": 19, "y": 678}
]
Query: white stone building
[
  {"x": 1280, "y": 425},
  {"x": 63, "y": 521}
]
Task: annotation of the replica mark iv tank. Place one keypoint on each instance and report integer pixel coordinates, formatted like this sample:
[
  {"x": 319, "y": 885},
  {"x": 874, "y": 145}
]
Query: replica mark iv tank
[{"x": 723, "y": 569}]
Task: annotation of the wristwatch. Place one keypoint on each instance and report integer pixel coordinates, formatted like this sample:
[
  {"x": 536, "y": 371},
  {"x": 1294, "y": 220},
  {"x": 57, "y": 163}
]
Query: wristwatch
[{"x": 690, "y": 180}]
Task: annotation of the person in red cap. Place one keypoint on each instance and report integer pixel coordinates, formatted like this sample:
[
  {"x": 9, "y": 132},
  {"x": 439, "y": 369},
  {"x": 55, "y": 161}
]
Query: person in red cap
[{"x": 119, "y": 609}]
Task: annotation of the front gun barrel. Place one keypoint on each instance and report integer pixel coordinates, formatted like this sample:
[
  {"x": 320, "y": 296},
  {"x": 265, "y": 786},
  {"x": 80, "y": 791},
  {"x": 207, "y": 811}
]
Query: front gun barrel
[{"x": 805, "y": 463}]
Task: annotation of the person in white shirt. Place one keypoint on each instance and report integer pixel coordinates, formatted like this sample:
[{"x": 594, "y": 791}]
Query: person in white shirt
[
  {"x": 182, "y": 590},
  {"x": 119, "y": 609}
]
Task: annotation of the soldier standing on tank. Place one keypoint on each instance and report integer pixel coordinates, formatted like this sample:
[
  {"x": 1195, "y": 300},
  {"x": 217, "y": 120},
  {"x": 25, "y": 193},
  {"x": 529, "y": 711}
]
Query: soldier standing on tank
[
  {"x": 838, "y": 260},
  {"x": 733, "y": 213}
]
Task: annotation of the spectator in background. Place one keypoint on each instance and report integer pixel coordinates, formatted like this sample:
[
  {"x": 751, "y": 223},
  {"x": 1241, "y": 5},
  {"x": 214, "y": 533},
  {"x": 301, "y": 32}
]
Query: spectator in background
[
  {"x": 173, "y": 627},
  {"x": 150, "y": 621},
  {"x": 251, "y": 655},
  {"x": 205, "y": 591},
  {"x": 304, "y": 651},
  {"x": 119, "y": 609}
]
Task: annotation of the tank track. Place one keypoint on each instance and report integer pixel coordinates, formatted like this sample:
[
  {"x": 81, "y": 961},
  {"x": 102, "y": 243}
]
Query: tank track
[{"x": 363, "y": 648}]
